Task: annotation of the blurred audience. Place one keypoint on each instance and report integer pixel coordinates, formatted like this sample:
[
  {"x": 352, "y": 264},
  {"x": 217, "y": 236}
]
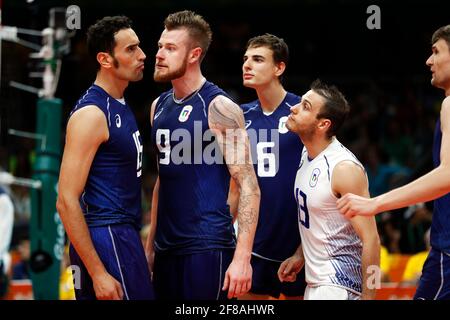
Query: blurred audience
[
  {"x": 21, "y": 270},
  {"x": 413, "y": 269}
]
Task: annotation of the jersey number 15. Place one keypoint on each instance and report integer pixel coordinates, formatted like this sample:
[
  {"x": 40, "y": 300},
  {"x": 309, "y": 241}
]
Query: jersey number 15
[{"x": 139, "y": 149}]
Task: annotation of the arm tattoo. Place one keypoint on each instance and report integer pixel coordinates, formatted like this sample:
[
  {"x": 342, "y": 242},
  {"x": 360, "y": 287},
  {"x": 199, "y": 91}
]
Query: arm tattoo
[
  {"x": 248, "y": 208},
  {"x": 227, "y": 121},
  {"x": 225, "y": 114}
]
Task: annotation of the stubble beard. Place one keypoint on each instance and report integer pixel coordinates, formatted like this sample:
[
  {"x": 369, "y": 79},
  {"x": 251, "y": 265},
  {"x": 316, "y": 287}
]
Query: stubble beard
[{"x": 166, "y": 77}]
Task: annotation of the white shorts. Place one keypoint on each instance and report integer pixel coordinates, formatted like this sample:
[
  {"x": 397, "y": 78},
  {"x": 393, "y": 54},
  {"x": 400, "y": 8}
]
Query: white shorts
[{"x": 325, "y": 292}]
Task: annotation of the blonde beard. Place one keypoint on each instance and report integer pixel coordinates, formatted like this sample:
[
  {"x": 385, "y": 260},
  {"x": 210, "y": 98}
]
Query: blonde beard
[{"x": 171, "y": 75}]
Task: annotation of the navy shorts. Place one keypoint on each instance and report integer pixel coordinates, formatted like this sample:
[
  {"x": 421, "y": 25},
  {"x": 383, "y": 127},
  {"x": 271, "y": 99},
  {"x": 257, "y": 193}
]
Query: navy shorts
[
  {"x": 197, "y": 276},
  {"x": 120, "y": 249},
  {"x": 265, "y": 280},
  {"x": 434, "y": 283}
]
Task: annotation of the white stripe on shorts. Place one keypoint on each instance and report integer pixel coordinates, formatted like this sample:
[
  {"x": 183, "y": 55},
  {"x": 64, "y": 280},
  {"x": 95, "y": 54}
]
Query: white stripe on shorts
[{"x": 118, "y": 264}]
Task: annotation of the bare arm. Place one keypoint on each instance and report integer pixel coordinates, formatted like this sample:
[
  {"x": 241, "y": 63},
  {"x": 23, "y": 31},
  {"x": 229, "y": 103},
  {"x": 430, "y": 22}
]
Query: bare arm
[
  {"x": 152, "y": 110},
  {"x": 233, "y": 198},
  {"x": 227, "y": 122},
  {"x": 349, "y": 177},
  {"x": 433, "y": 185},
  {"x": 290, "y": 267},
  {"x": 86, "y": 130},
  {"x": 149, "y": 249}
]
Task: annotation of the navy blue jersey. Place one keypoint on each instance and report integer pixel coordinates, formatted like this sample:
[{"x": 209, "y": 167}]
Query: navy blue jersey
[
  {"x": 440, "y": 225},
  {"x": 193, "y": 214},
  {"x": 112, "y": 193},
  {"x": 276, "y": 154}
]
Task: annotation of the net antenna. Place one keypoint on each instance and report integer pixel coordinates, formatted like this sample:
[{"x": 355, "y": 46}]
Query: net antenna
[{"x": 55, "y": 43}]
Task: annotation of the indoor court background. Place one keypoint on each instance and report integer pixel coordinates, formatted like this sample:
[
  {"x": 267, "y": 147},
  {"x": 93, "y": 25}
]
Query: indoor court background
[{"x": 382, "y": 73}]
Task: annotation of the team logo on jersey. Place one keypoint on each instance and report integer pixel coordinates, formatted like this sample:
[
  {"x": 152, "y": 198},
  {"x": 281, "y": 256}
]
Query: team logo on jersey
[
  {"x": 282, "y": 125},
  {"x": 118, "y": 121},
  {"x": 184, "y": 114},
  {"x": 158, "y": 113},
  {"x": 314, "y": 177},
  {"x": 248, "y": 123}
]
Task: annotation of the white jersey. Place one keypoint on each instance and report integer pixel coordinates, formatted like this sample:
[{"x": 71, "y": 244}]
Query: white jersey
[{"x": 331, "y": 247}]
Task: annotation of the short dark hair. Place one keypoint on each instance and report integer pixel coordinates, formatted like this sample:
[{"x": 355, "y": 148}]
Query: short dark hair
[
  {"x": 274, "y": 43},
  {"x": 199, "y": 30},
  {"x": 335, "y": 108},
  {"x": 442, "y": 33},
  {"x": 100, "y": 36},
  {"x": 279, "y": 48}
]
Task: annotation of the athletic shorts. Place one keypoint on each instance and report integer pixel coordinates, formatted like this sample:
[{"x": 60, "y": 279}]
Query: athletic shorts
[
  {"x": 120, "y": 249},
  {"x": 434, "y": 283},
  {"x": 197, "y": 276},
  {"x": 265, "y": 280},
  {"x": 325, "y": 292}
]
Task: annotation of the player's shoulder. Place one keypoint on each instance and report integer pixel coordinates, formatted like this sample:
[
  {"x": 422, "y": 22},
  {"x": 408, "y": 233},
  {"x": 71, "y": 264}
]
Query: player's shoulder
[
  {"x": 348, "y": 167},
  {"x": 250, "y": 106},
  {"x": 89, "y": 124},
  {"x": 341, "y": 150},
  {"x": 211, "y": 86},
  {"x": 292, "y": 98},
  {"x": 224, "y": 103},
  {"x": 445, "y": 113},
  {"x": 288, "y": 102},
  {"x": 211, "y": 90},
  {"x": 89, "y": 97},
  {"x": 93, "y": 96},
  {"x": 446, "y": 103},
  {"x": 224, "y": 113},
  {"x": 163, "y": 97},
  {"x": 346, "y": 175},
  {"x": 346, "y": 164},
  {"x": 89, "y": 113}
]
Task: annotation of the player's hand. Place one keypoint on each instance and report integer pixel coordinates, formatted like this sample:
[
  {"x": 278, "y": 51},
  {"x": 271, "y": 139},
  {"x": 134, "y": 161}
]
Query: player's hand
[
  {"x": 238, "y": 278},
  {"x": 106, "y": 287},
  {"x": 351, "y": 205},
  {"x": 287, "y": 272}
]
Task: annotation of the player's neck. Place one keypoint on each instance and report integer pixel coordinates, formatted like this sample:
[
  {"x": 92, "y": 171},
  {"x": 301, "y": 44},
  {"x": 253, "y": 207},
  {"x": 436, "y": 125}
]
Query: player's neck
[
  {"x": 192, "y": 81},
  {"x": 315, "y": 146},
  {"x": 113, "y": 86},
  {"x": 271, "y": 96}
]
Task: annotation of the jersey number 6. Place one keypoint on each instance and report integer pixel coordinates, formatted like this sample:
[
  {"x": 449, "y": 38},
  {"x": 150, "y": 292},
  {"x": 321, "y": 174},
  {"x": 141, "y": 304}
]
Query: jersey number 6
[{"x": 266, "y": 160}]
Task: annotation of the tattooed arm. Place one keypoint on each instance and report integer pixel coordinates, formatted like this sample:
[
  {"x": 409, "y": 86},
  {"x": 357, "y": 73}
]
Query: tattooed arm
[
  {"x": 227, "y": 123},
  {"x": 233, "y": 199}
]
